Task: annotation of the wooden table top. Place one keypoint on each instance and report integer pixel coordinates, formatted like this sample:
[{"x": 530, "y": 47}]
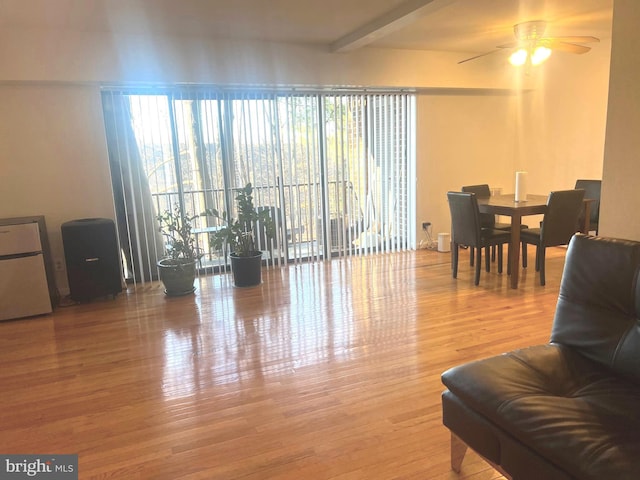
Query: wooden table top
[{"x": 507, "y": 205}]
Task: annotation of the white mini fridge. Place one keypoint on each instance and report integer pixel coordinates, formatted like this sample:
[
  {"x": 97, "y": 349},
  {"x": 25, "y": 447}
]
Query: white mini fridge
[{"x": 23, "y": 280}]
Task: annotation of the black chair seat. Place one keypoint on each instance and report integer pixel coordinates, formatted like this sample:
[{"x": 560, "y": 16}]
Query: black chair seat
[
  {"x": 492, "y": 236},
  {"x": 507, "y": 226},
  {"x": 502, "y": 226},
  {"x": 531, "y": 234}
]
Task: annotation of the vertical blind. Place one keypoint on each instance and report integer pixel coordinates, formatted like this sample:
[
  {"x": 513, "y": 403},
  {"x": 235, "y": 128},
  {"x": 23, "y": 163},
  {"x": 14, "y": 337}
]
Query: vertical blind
[{"x": 333, "y": 169}]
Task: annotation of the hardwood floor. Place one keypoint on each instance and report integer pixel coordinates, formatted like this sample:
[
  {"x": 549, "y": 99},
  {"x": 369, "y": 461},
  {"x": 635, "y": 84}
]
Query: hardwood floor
[{"x": 325, "y": 371}]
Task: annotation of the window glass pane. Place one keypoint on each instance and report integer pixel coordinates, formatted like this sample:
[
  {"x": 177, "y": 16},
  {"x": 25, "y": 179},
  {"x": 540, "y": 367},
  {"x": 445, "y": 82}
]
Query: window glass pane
[{"x": 331, "y": 167}]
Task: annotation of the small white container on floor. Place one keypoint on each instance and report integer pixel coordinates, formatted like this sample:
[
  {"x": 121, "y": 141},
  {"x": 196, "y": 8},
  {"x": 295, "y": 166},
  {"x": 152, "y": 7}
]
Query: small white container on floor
[{"x": 444, "y": 242}]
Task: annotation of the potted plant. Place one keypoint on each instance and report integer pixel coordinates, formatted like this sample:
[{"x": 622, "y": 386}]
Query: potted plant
[
  {"x": 237, "y": 235},
  {"x": 178, "y": 268}
]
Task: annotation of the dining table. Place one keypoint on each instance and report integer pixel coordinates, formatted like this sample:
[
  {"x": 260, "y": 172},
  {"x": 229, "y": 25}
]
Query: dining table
[{"x": 508, "y": 206}]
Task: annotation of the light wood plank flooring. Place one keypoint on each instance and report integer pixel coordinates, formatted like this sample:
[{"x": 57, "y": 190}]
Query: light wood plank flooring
[{"x": 325, "y": 371}]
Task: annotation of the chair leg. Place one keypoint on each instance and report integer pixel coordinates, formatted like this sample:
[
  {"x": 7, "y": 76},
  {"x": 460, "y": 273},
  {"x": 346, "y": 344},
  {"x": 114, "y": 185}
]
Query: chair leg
[
  {"x": 478, "y": 266},
  {"x": 525, "y": 260},
  {"x": 493, "y": 253},
  {"x": 487, "y": 259},
  {"x": 454, "y": 259},
  {"x": 538, "y": 248},
  {"x": 471, "y": 255},
  {"x": 543, "y": 252},
  {"x": 500, "y": 255}
]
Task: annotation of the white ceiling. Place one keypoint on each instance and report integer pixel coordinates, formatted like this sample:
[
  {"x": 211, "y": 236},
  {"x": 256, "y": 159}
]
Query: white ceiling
[{"x": 466, "y": 26}]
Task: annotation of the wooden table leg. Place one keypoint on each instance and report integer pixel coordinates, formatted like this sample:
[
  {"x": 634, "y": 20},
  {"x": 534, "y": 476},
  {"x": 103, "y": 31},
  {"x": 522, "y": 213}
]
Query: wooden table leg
[{"x": 514, "y": 249}]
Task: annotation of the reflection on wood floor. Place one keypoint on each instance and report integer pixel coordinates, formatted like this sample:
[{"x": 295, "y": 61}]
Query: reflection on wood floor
[{"x": 325, "y": 371}]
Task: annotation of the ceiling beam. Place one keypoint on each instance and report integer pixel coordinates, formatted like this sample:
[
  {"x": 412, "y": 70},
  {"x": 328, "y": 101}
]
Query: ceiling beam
[{"x": 391, "y": 21}]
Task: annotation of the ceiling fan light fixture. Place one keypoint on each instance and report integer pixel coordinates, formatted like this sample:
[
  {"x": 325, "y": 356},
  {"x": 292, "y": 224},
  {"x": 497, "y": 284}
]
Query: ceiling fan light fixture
[
  {"x": 533, "y": 47},
  {"x": 519, "y": 57},
  {"x": 540, "y": 54}
]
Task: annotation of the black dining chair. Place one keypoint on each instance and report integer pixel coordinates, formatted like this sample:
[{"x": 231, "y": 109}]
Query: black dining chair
[
  {"x": 591, "y": 190},
  {"x": 558, "y": 225},
  {"x": 466, "y": 230},
  {"x": 487, "y": 220}
]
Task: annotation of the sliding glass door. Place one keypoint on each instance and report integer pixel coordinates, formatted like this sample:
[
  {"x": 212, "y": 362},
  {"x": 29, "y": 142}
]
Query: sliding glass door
[{"x": 332, "y": 168}]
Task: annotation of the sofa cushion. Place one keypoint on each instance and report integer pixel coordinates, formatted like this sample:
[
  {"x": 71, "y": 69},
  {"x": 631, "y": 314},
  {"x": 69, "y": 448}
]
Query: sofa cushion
[
  {"x": 599, "y": 303},
  {"x": 565, "y": 407}
]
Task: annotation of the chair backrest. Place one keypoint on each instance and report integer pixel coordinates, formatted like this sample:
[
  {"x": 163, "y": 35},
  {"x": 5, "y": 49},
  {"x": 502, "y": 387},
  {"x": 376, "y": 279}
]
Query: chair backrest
[
  {"x": 481, "y": 191},
  {"x": 561, "y": 217},
  {"x": 592, "y": 190},
  {"x": 599, "y": 303},
  {"x": 487, "y": 220},
  {"x": 465, "y": 218}
]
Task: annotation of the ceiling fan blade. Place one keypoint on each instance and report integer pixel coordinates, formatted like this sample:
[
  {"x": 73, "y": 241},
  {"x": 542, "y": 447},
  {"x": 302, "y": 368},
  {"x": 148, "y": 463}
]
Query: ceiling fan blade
[
  {"x": 477, "y": 56},
  {"x": 575, "y": 39},
  {"x": 530, "y": 35},
  {"x": 554, "y": 44}
]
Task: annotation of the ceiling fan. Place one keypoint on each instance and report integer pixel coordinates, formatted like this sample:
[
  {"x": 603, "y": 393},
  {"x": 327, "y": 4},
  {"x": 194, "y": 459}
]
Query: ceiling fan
[{"x": 532, "y": 47}]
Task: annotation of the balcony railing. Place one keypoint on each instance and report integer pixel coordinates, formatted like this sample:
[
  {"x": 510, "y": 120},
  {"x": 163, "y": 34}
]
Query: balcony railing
[{"x": 301, "y": 223}]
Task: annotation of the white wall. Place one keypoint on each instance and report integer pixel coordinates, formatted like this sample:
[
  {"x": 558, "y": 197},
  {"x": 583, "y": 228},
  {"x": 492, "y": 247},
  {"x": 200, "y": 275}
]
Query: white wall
[
  {"x": 554, "y": 129},
  {"x": 620, "y": 198},
  {"x": 53, "y": 157},
  {"x": 462, "y": 140},
  {"x": 564, "y": 120},
  {"x": 36, "y": 55}
]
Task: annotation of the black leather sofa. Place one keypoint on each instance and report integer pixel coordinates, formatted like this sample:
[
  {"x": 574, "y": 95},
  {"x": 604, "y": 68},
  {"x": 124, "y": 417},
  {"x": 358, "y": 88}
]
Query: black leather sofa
[{"x": 569, "y": 409}]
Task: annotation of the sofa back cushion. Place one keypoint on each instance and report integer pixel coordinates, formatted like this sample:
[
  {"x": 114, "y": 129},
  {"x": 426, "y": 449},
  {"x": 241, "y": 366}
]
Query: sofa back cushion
[{"x": 599, "y": 301}]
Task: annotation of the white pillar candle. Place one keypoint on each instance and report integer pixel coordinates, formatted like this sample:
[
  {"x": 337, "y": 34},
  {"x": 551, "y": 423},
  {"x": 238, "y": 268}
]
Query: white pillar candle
[{"x": 521, "y": 186}]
